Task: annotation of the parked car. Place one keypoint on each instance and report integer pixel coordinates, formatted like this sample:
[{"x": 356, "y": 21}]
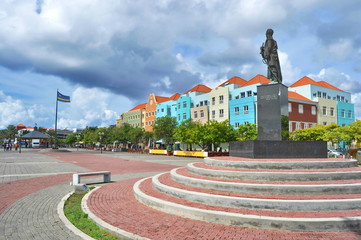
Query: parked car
[{"x": 334, "y": 153}]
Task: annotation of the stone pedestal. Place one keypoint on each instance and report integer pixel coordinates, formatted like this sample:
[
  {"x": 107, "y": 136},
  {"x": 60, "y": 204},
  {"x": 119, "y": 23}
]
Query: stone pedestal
[
  {"x": 278, "y": 149},
  {"x": 272, "y": 111}
]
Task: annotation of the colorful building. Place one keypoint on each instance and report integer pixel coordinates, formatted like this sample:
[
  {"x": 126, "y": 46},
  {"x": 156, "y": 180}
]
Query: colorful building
[
  {"x": 134, "y": 117},
  {"x": 199, "y": 96},
  {"x": 151, "y": 109},
  {"x": 310, "y": 103},
  {"x": 302, "y": 112},
  {"x": 334, "y": 105},
  {"x": 243, "y": 103}
]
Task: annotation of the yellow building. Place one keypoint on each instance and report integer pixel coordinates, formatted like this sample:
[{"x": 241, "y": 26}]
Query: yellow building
[{"x": 219, "y": 104}]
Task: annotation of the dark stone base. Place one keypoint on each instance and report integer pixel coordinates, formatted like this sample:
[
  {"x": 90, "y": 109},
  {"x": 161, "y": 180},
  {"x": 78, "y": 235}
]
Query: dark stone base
[{"x": 278, "y": 149}]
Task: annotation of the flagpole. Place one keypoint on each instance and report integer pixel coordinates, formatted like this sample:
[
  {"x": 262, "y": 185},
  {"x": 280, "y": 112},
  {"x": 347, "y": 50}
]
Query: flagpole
[{"x": 56, "y": 120}]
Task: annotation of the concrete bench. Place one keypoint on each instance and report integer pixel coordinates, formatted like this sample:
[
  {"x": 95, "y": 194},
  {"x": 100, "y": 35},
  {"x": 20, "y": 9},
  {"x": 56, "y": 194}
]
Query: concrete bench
[{"x": 76, "y": 176}]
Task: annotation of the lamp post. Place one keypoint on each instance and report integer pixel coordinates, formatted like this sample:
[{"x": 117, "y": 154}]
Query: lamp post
[
  {"x": 19, "y": 141},
  {"x": 101, "y": 134},
  {"x": 77, "y": 145}
]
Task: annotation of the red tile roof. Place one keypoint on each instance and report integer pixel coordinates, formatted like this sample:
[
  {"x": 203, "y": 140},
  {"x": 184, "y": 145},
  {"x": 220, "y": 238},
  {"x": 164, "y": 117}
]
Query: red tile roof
[
  {"x": 199, "y": 88},
  {"x": 234, "y": 80},
  {"x": 174, "y": 96},
  {"x": 297, "y": 96},
  {"x": 140, "y": 106},
  {"x": 161, "y": 99},
  {"x": 306, "y": 80},
  {"x": 327, "y": 85},
  {"x": 257, "y": 79}
]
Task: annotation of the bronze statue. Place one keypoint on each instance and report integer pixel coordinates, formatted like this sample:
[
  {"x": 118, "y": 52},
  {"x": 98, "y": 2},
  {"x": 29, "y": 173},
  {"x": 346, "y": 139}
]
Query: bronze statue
[{"x": 270, "y": 57}]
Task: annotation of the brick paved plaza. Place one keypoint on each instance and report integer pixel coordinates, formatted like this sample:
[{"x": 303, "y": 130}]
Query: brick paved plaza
[{"x": 34, "y": 182}]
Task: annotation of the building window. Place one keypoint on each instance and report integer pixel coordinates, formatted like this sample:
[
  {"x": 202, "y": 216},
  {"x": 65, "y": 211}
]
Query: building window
[
  {"x": 338, "y": 98},
  {"x": 178, "y": 117},
  {"x": 324, "y": 123},
  {"x": 343, "y": 113},
  {"x": 324, "y": 111},
  {"x": 213, "y": 114},
  {"x": 324, "y": 95},
  {"x": 342, "y": 98},
  {"x": 349, "y": 113},
  {"x": 237, "y": 97},
  {"x": 202, "y": 113},
  {"x": 213, "y": 100},
  {"x": 178, "y": 105},
  {"x": 184, "y": 116},
  {"x": 195, "y": 114},
  {"x": 290, "y": 126},
  {"x": 221, "y": 99},
  {"x": 289, "y": 107},
  {"x": 249, "y": 93},
  {"x": 221, "y": 113},
  {"x": 243, "y": 94},
  {"x": 162, "y": 109},
  {"x": 298, "y": 125},
  {"x": 184, "y": 104},
  {"x": 319, "y": 94},
  {"x": 300, "y": 108},
  {"x": 245, "y": 109},
  {"x": 236, "y": 111},
  {"x": 201, "y": 103},
  {"x": 332, "y": 110},
  {"x": 205, "y": 102},
  {"x": 313, "y": 110},
  {"x": 236, "y": 124}
]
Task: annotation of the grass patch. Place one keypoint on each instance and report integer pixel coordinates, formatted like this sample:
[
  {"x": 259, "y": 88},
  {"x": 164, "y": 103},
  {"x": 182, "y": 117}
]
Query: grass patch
[{"x": 73, "y": 211}]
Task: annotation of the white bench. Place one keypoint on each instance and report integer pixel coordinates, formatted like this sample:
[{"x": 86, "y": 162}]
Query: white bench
[{"x": 76, "y": 176}]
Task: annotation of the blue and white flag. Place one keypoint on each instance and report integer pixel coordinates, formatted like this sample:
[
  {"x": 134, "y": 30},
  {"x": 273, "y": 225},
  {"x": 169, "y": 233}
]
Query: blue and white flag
[{"x": 63, "y": 98}]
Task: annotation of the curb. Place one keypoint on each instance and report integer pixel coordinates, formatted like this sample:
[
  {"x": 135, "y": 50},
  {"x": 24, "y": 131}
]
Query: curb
[
  {"x": 117, "y": 231},
  {"x": 67, "y": 223}
]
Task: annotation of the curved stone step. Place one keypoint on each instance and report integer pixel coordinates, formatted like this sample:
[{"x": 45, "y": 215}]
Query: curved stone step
[
  {"x": 281, "y": 164},
  {"x": 254, "y": 174},
  {"x": 348, "y": 223},
  {"x": 262, "y": 188}
]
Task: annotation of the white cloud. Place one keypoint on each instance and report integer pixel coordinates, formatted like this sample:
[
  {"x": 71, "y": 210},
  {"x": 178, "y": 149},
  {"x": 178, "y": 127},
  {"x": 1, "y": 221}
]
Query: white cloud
[
  {"x": 356, "y": 99},
  {"x": 92, "y": 107},
  {"x": 289, "y": 72},
  {"x": 14, "y": 111},
  {"x": 340, "y": 50}
]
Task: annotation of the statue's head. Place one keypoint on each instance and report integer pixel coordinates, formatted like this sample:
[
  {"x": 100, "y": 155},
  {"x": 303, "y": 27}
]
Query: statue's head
[{"x": 269, "y": 32}]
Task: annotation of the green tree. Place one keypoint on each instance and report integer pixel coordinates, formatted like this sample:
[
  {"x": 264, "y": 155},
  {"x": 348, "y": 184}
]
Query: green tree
[
  {"x": 71, "y": 138},
  {"x": 11, "y": 131},
  {"x": 136, "y": 135},
  {"x": 164, "y": 128},
  {"x": 247, "y": 131},
  {"x": 214, "y": 132},
  {"x": 90, "y": 135},
  {"x": 185, "y": 132}
]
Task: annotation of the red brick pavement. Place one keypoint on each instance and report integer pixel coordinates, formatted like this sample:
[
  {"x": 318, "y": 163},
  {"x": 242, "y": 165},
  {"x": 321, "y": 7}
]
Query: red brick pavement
[
  {"x": 13, "y": 191},
  {"x": 115, "y": 204},
  {"x": 98, "y": 162}
]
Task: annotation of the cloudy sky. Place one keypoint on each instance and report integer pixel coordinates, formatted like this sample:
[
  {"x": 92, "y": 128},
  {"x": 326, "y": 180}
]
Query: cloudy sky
[{"x": 108, "y": 56}]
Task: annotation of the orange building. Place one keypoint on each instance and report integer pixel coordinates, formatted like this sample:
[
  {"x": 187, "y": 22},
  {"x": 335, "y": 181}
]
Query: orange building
[{"x": 150, "y": 110}]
